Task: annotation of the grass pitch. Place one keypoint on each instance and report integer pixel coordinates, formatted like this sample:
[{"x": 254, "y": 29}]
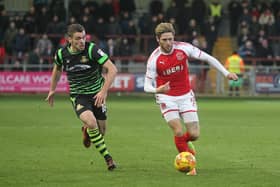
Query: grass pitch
[{"x": 41, "y": 146}]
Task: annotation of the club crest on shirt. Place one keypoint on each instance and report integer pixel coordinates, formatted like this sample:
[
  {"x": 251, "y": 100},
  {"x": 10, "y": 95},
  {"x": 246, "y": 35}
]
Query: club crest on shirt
[
  {"x": 84, "y": 59},
  {"x": 179, "y": 56}
]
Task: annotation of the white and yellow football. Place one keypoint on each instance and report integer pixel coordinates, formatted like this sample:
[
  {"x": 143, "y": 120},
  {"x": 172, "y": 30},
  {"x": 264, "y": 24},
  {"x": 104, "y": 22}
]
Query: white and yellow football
[{"x": 185, "y": 162}]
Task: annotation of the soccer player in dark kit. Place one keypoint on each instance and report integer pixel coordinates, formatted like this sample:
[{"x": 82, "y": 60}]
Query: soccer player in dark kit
[{"x": 84, "y": 62}]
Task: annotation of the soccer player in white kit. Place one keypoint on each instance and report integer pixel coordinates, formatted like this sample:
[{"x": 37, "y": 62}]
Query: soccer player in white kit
[{"x": 167, "y": 76}]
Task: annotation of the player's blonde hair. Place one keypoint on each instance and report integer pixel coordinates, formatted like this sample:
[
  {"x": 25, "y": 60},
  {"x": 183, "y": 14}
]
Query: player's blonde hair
[{"x": 163, "y": 28}]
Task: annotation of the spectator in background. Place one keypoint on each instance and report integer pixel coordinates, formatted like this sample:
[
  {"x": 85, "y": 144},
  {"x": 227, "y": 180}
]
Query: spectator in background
[
  {"x": 125, "y": 50},
  {"x": 125, "y": 18},
  {"x": 254, "y": 27},
  {"x": 183, "y": 16},
  {"x": 155, "y": 7},
  {"x": 72, "y": 20},
  {"x": 57, "y": 8},
  {"x": 45, "y": 49},
  {"x": 42, "y": 20},
  {"x": 100, "y": 31},
  {"x": 265, "y": 51},
  {"x": 193, "y": 30},
  {"x": 4, "y": 23},
  {"x": 106, "y": 10},
  {"x": 87, "y": 21},
  {"x": 9, "y": 38},
  {"x": 235, "y": 64},
  {"x": 266, "y": 18},
  {"x": 75, "y": 7},
  {"x": 255, "y": 12},
  {"x": 33, "y": 60},
  {"x": 211, "y": 34},
  {"x": 29, "y": 21},
  {"x": 127, "y": 5},
  {"x": 18, "y": 21},
  {"x": 93, "y": 7},
  {"x": 243, "y": 33},
  {"x": 113, "y": 27},
  {"x": 199, "y": 10},
  {"x": 275, "y": 5},
  {"x": 259, "y": 38},
  {"x": 131, "y": 30},
  {"x": 54, "y": 28},
  {"x": 245, "y": 17},
  {"x": 235, "y": 10},
  {"x": 216, "y": 11},
  {"x": 277, "y": 24},
  {"x": 146, "y": 25},
  {"x": 38, "y": 4},
  {"x": 172, "y": 11},
  {"x": 21, "y": 46},
  {"x": 247, "y": 50},
  {"x": 111, "y": 48}
]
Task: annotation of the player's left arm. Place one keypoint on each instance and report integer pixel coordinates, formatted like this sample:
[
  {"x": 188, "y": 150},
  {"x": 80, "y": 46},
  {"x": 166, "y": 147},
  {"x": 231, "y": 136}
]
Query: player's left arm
[
  {"x": 111, "y": 72},
  {"x": 201, "y": 55}
]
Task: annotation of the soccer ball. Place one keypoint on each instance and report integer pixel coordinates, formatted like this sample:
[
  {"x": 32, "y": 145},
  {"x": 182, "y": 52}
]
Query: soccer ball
[{"x": 185, "y": 162}]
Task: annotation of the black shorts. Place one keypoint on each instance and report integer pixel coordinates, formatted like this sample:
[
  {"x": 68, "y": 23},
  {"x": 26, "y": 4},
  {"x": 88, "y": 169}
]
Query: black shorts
[{"x": 82, "y": 103}]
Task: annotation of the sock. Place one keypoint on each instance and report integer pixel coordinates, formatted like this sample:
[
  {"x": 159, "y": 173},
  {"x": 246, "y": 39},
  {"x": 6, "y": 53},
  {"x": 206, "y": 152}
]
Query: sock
[
  {"x": 180, "y": 143},
  {"x": 97, "y": 139},
  {"x": 187, "y": 139}
]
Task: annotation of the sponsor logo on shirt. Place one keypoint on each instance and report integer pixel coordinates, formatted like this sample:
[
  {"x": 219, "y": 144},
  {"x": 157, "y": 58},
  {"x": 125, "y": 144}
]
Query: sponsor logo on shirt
[
  {"x": 84, "y": 59},
  {"x": 174, "y": 69},
  {"x": 179, "y": 56}
]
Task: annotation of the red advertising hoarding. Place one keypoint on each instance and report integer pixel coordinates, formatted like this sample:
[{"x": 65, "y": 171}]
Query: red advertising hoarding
[
  {"x": 30, "y": 82},
  {"x": 39, "y": 82}
]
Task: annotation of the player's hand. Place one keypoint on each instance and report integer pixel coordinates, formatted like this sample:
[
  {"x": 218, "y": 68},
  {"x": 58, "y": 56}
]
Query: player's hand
[
  {"x": 50, "y": 98},
  {"x": 100, "y": 98},
  {"x": 232, "y": 76},
  {"x": 163, "y": 88}
]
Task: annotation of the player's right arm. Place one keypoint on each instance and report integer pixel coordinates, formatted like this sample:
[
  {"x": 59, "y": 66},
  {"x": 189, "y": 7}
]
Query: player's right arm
[
  {"x": 56, "y": 73},
  {"x": 150, "y": 79}
]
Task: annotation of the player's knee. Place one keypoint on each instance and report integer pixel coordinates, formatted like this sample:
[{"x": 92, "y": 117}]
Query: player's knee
[
  {"x": 194, "y": 136},
  {"x": 91, "y": 123},
  {"x": 194, "y": 130},
  {"x": 178, "y": 132}
]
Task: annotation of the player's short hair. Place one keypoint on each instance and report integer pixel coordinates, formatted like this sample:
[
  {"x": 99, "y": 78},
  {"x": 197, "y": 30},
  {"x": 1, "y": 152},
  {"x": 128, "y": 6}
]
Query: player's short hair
[
  {"x": 71, "y": 29},
  {"x": 163, "y": 28}
]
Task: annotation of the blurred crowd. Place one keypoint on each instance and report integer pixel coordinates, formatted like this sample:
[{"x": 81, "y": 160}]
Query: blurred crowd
[
  {"x": 122, "y": 30},
  {"x": 256, "y": 27}
]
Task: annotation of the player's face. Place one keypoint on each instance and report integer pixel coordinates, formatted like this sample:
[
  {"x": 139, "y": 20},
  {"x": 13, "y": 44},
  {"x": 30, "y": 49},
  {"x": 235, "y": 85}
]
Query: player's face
[
  {"x": 78, "y": 41},
  {"x": 166, "y": 41}
]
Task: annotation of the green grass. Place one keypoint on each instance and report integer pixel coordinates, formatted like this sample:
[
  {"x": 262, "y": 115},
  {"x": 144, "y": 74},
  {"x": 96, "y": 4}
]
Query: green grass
[{"x": 41, "y": 146}]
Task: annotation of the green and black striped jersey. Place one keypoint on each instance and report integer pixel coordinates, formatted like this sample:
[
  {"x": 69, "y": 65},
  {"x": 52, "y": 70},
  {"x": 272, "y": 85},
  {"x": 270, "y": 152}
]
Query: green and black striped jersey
[{"x": 84, "y": 69}]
